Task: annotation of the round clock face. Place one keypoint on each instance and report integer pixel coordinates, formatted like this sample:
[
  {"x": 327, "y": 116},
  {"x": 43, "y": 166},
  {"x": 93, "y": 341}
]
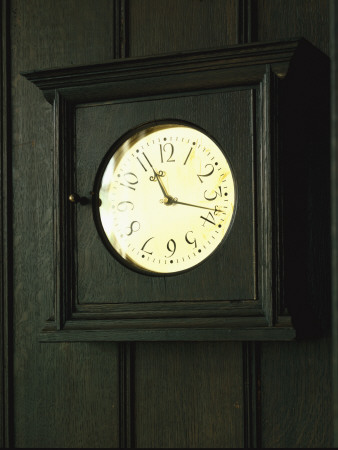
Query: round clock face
[{"x": 165, "y": 198}]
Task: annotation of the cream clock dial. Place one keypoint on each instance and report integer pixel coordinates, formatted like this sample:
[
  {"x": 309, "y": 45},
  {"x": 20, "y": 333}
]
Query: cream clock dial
[{"x": 165, "y": 198}]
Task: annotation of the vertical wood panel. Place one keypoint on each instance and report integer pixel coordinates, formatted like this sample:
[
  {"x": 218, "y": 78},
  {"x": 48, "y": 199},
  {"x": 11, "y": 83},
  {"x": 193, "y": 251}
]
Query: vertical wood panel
[
  {"x": 160, "y": 26},
  {"x": 183, "y": 396},
  {"x": 62, "y": 33},
  {"x": 5, "y": 231},
  {"x": 121, "y": 32},
  {"x": 296, "y": 386},
  {"x": 126, "y": 350},
  {"x": 186, "y": 395},
  {"x": 334, "y": 204},
  {"x": 283, "y": 19},
  {"x": 64, "y": 395},
  {"x": 251, "y": 389},
  {"x": 126, "y": 385},
  {"x": 246, "y": 22},
  {"x": 67, "y": 397}
]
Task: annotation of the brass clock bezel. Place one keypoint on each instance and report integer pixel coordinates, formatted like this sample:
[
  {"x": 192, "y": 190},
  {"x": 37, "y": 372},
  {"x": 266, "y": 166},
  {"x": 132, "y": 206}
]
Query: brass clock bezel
[{"x": 136, "y": 131}]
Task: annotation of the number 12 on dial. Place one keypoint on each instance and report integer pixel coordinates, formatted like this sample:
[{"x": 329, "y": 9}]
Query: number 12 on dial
[{"x": 165, "y": 198}]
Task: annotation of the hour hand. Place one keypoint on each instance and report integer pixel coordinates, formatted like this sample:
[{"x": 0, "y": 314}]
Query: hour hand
[{"x": 157, "y": 176}]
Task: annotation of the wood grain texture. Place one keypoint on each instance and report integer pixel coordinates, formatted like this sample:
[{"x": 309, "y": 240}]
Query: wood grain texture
[
  {"x": 6, "y": 263},
  {"x": 284, "y": 19},
  {"x": 129, "y": 73},
  {"x": 296, "y": 379},
  {"x": 76, "y": 403},
  {"x": 180, "y": 400},
  {"x": 118, "y": 285},
  {"x": 160, "y": 26},
  {"x": 59, "y": 396},
  {"x": 63, "y": 33},
  {"x": 172, "y": 73},
  {"x": 120, "y": 29},
  {"x": 186, "y": 394},
  {"x": 295, "y": 389}
]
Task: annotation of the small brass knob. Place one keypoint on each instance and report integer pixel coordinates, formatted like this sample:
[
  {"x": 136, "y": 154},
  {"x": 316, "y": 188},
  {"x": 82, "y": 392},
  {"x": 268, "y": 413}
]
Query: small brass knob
[{"x": 75, "y": 198}]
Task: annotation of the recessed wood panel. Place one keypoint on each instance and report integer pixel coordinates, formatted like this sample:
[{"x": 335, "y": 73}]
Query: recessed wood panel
[
  {"x": 160, "y": 26},
  {"x": 77, "y": 394},
  {"x": 66, "y": 394},
  {"x": 180, "y": 396},
  {"x": 306, "y": 18},
  {"x": 296, "y": 384},
  {"x": 59, "y": 33},
  {"x": 101, "y": 278},
  {"x": 57, "y": 388},
  {"x": 233, "y": 95}
]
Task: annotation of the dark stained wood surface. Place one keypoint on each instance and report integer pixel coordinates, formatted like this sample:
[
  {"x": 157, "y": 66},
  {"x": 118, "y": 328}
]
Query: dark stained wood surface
[
  {"x": 166, "y": 26},
  {"x": 132, "y": 76},
  {"x": 5, "y": 232},
  {"x": 159, "y": 394},
  {"x": 296, "y": 385},
  {"x": 181, "y": 404},
  {"x": 112, "y": 121},
  {"x": 334, "y": 205},
  {"x": 283, "y": 19},
  {"x": 65, "y": 396}
]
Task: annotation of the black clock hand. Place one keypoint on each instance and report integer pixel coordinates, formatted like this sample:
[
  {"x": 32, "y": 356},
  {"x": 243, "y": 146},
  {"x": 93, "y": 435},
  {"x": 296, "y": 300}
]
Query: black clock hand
[
  {"x": 169, "y": 200},
  {"x": 157, "y": 176},
  {"x": 175, "y": 201}
]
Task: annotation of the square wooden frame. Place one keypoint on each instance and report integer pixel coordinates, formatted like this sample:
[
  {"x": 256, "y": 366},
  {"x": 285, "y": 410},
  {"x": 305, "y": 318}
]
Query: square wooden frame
[{"x": 261, "y": 67}]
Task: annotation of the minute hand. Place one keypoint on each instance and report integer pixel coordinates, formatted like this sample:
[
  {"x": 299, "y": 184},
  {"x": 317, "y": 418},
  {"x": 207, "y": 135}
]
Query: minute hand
[{"x": 177, "y": 202}]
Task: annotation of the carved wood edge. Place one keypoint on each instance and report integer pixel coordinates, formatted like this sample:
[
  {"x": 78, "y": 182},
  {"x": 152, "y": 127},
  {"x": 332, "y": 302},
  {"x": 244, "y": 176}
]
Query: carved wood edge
[
  {"x": 121, "y": 78},
  {"x": 240, "y": 65}
]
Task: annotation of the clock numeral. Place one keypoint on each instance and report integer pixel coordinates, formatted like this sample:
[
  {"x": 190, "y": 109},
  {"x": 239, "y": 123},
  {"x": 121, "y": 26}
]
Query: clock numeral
[
  {"x": 191, "y": 242},
  {"x": 124, "y": 206},
  {"x": 211, "y": 171},
  {"x": 171, "y": 246},
  {"x": 186, "y": 159},
  {"x": 131, "y": 179},
  {"x": 170, "y": 148},
  {"x": 145, "y": 157},
  {"x": 213, "y": 194},
  {"x": 209, "y": 218},
  {"x": 134, "y": 226},
  {"x": 144, "y": 245}
]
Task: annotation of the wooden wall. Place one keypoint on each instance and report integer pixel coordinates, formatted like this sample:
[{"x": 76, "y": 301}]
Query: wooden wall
[{"x": 155, "y": 395}]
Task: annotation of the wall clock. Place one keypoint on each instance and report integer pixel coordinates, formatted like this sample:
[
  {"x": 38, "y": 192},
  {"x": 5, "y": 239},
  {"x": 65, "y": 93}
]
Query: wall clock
[
  {"x": 191, "y": 177},
  {"x": 164, "y": 198}
]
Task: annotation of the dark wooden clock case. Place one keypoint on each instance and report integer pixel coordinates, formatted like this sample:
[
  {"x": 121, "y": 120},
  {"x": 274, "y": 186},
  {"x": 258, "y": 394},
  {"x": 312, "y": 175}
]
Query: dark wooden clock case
[{"x": 267, "y": 104}]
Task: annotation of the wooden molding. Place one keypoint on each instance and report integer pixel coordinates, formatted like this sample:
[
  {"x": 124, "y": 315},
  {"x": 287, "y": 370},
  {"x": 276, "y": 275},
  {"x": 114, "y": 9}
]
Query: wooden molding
[
  {"x": 172, "y": 73},
  {"x": 277, "y": 74}
]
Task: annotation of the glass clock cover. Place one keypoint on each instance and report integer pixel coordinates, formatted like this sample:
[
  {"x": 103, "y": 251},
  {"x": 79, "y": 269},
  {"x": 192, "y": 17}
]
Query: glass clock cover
[{"x": 165, "y": 198}]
